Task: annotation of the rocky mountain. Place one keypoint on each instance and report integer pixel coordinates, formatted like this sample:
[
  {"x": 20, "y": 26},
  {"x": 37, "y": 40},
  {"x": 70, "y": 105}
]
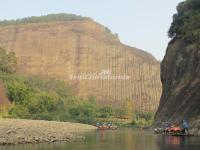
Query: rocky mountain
[
  {"x": 84, "y": 54},
  {"x": 180, "y": 69}
]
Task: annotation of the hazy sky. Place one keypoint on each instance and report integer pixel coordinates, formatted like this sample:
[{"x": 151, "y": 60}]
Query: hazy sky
[{"x": 139, "y": 23}]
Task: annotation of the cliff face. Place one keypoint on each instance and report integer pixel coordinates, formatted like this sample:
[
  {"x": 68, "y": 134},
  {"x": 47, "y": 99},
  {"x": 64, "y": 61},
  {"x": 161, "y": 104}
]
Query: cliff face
[
  {"x": 67, "y": 49},
  {"x": 180, "y": 69},
  {"x": 3, "y": 98},
  {"x": 180, "y": 76}
]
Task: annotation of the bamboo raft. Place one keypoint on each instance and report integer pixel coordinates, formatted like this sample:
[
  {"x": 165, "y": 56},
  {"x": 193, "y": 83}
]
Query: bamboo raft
[{"x": 178, "y": 134}]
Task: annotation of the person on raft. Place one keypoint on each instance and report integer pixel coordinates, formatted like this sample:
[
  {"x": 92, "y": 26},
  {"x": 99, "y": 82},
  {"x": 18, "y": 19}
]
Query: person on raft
[
  {"x": 97, "y": 124},
  {"x": 185, "y": 126}
]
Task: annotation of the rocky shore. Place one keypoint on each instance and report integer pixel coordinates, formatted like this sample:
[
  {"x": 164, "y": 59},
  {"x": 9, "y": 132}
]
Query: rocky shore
[
  {"x": 195, "y": 127},
  {"x": 19, "y": 131}
]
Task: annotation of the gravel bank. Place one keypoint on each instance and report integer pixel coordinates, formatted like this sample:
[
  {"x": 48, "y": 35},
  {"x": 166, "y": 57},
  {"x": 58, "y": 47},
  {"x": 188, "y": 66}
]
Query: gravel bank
[{"x": 20, "y": 131}]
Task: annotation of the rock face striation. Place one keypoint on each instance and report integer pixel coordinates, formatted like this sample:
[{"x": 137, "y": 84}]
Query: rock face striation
[
  {"x": 3, "y": 97},
  {"x": 180, "y": 75},
  {"x": 180, "y": 69},
  {"x": 84, "y": 54}
]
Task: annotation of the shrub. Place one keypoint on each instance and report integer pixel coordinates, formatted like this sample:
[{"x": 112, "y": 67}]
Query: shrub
[
  {"x": 8, "y": 61},
  {"x": 85, "y": 112},
  {"x": 106, "y": 110},
  {"x": 104, "y": 115},
  {"x": 186, "y": 22},
  {"x": 18, "y": 92},
  {"x": 46, "y": 99}
]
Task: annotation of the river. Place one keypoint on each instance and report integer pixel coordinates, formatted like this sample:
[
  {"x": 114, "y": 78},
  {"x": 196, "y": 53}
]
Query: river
[{"x": 121, "y": 139}]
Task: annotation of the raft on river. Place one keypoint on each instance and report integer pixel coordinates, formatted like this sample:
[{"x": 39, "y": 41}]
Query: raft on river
[
  {"x": 104, "y": 126},
  {"x": 177, "y": 134},
  {"x": 172, "y": 131},
  {"x": 107, "y": 127}
]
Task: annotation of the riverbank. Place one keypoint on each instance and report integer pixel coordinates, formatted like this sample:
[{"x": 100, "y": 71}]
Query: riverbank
[{"x": 20, "y": 131}]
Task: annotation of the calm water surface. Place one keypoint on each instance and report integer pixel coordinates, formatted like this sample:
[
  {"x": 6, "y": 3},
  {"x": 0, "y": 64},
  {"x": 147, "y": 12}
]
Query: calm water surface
[{"x": 123, "y": 139}]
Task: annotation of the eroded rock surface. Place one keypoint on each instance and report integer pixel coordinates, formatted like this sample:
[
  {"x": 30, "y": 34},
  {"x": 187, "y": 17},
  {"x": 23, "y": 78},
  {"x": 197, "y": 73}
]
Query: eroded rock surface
[{"x": 67, "y": 48}]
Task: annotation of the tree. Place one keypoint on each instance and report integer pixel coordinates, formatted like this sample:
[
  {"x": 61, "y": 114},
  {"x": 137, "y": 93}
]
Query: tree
[
  {"x": 186, "y": 22},
  {"x": 92, "y": 100},
  {"x": 8, "y": 62},
  {"x": 44, "y": 19},
  {"x": 85, "y": 112},
  {"x": 129, "y": 108},
  {"x": 18, "y": 92}
]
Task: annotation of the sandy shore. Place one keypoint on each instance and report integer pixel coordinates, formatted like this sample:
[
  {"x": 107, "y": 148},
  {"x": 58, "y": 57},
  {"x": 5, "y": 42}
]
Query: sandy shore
[{"x": 19, "y": 131}]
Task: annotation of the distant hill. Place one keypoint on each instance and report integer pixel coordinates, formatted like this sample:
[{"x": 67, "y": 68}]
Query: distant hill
[
  {"x": 44, "y": 19},
  {"x": 63, "y": 45}
]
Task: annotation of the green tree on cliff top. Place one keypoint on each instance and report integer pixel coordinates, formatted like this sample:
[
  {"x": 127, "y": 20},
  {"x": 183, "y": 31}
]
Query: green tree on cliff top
[
  {"x": 186, "y": 22},
  {"x": 8, "y": 61}
]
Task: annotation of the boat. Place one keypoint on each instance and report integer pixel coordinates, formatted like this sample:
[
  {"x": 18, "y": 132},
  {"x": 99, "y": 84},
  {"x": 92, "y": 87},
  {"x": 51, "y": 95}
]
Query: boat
[
  {"x": 106, "y": 126},
  {"x": 172, "y": 131},
  {"x": 103, "y": 127},
  {"x": 112, "y": 127},
  {"x": 177, "y": 134},
  {"x": 158, "y": 130}
]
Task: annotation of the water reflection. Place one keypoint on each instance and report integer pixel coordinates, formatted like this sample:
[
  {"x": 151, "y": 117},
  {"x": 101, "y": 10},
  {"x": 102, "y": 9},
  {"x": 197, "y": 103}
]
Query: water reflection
[
  {"x": 126, "y": 139},
  {"x": 178, "y": 143}
]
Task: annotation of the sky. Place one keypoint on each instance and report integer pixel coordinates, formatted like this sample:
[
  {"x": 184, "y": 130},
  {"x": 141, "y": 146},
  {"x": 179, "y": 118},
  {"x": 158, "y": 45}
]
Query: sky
[{"x": 139, "y": 23}]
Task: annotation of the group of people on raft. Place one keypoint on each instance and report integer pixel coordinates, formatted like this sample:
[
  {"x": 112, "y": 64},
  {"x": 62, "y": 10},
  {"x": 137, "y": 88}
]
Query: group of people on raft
[
  {"x": 106, "y": 126},
  {"x": 174, "y": 128}
]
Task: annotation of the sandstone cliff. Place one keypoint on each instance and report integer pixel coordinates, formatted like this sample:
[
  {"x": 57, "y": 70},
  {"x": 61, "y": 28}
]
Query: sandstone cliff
[
  {"x": 3, "y": 98},
  {"x": 180, "y": 69},
  {"x": 180, "y": 75},
  {"x": 63, "y": 48}
]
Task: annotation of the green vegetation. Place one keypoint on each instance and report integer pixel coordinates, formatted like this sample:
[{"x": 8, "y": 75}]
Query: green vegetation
[
  {"x": 44, "y": 19},
  {"x": 8, "y": 62},
  {"x": 85, "y": 112},
  {"x": 125, "y": 116},
  {"x": 50, "y": 99},
  {"x": 143, "y": 119},
  {"x": 105, "y": 112},
  {"x": 186, "y": 23},
  {"x": 46, "y": 99},
  {"x": 51, "y": 18}
]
